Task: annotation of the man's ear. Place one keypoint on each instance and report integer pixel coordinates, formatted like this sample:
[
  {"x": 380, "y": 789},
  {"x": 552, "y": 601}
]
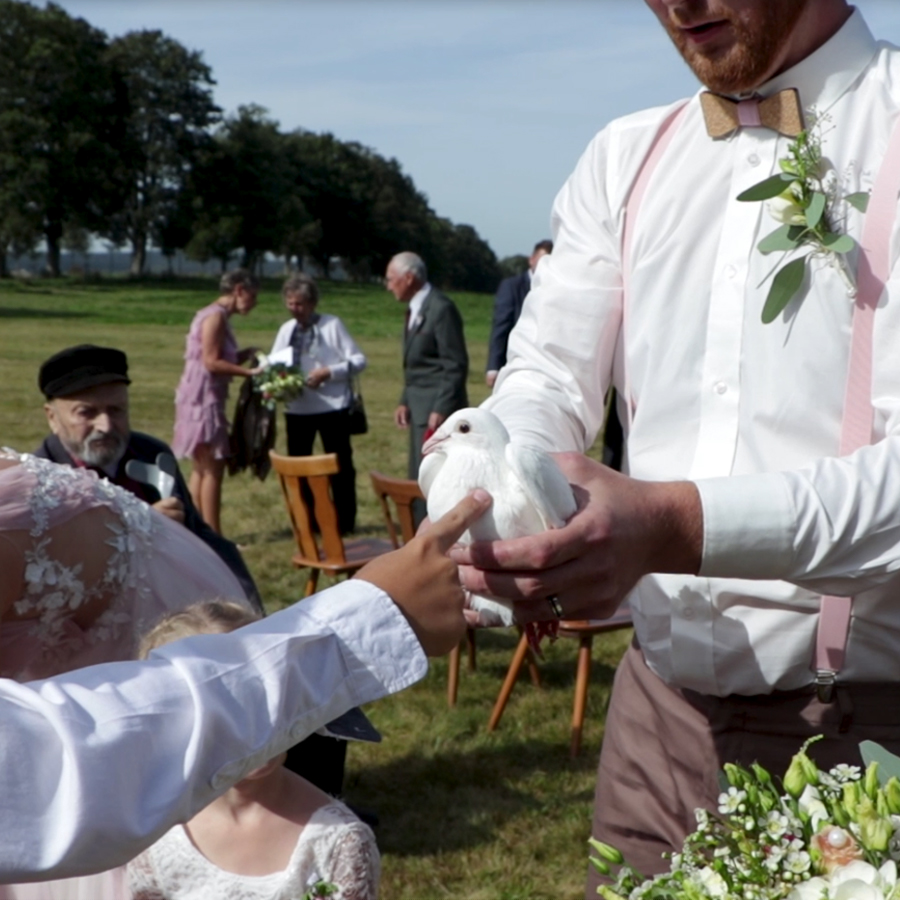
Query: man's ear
[{"x": 52, "y": 416}]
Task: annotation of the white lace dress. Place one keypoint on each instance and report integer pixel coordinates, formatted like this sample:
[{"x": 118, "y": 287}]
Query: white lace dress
[
  {"x": 101, "y": 567},
  {"x": 334, "y": 847}
]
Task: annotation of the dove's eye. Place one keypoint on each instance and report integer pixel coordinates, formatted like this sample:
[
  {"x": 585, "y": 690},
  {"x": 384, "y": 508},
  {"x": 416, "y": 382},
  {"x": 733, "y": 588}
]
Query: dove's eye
[{"x": 465, "y": 428}]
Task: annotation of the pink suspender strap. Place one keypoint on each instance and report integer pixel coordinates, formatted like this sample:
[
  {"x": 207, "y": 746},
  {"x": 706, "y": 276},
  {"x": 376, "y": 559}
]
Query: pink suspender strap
[
  {"x": 632, "y": 206},
  {"x": 856, "y": 428}
]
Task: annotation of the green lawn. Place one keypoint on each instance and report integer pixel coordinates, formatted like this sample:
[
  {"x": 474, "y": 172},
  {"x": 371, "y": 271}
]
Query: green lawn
[{"x": 464, "y": 814}]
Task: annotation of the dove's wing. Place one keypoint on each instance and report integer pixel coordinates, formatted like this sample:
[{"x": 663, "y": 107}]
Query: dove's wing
[
  {"x": 428, "y": 470},
  {"x": 543, "y": 481}
]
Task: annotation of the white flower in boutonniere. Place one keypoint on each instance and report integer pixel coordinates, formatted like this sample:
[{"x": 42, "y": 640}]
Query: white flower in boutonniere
[{"x": 803, "y": 197}]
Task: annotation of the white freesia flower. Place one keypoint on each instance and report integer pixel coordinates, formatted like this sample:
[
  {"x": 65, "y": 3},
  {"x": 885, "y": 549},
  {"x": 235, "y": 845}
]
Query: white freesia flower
[
  {"x": 843, "y": 772},
  {"x": 861, "y": 881},
  {"x": 810, "y": 804},
  {"x": 814, "y": 889}
]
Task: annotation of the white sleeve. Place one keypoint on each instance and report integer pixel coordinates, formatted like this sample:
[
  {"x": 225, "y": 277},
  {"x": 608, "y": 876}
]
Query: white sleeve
[
  {"x": 352, "y": 359},
  {"x": 559, "y": 363},
  {"x": 833, "y": 526},
  {"x": 96, "y": 764}
]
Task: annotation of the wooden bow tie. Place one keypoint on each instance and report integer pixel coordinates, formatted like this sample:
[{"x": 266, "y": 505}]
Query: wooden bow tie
[{"x": 781, "y": 112}]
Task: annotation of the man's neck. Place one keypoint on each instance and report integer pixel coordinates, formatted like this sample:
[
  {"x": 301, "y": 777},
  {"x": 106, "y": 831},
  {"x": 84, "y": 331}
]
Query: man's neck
[{"x": 820, "y": 21}]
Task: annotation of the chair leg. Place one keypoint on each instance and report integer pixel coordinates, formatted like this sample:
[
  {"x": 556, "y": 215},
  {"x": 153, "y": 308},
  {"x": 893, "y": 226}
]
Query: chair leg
[
  {"x": 582, "y": 680},
  {"x": 453, "y": 675},
  {"x": 312, "y": 583},
  {"x": 470, "y": 641},
  {"x": 509, "y": 682}
]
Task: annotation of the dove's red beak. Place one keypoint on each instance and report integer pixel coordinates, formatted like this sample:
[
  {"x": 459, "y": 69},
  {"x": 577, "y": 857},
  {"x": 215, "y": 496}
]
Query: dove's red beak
[{"x": 432, "y": 443}]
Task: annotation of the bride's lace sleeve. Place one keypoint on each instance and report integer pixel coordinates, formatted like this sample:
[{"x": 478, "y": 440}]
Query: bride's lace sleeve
[
  {"x": 142, "y": 883},
  {"x": 355, "y": 862}
]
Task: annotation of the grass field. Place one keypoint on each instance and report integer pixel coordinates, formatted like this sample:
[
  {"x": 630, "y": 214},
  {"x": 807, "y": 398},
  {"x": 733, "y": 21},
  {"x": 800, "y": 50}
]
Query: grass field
[{"x": 464, "y": 814}]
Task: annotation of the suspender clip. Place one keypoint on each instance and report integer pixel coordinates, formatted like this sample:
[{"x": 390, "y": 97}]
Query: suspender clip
[{"x": 825, "y": 684}]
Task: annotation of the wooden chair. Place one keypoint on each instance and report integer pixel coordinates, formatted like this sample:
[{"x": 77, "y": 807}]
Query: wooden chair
[
  {"x": 583, "y": 631},
  {"x": 396, "y": 496},
  {"x": 335, "y": 555}
]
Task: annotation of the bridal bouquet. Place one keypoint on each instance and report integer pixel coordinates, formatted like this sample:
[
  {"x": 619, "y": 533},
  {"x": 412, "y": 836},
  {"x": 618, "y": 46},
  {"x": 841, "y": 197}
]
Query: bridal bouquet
[
  {"x": 819, "y": 836},
  {"x": 279, "y": 383}
]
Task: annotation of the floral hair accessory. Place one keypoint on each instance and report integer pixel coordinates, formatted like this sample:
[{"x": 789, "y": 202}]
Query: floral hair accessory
[{"x": 804, "y": 197}]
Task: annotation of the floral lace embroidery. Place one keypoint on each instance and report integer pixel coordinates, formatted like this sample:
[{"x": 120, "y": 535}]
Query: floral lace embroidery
[{"x": 56, "y": 590}]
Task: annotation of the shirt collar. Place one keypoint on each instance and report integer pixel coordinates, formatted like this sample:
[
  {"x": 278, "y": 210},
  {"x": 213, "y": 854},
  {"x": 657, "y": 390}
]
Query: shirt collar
[
  {"x": 828, "y": 73},
  {"x": 415, "y": 305}
]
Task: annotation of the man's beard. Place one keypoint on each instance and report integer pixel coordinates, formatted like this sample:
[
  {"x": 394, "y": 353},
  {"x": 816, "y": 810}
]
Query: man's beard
[
  {"x": 102, "y": 449},
  {"x": 757, "y": 44}
]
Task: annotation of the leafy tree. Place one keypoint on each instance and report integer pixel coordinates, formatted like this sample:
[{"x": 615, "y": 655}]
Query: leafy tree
[
  {"x": 170, "y": 109},
  {"x": 463, "y": 260},
  {"x": 61, "y": 124},
  {"x": 513, "y": 265}
]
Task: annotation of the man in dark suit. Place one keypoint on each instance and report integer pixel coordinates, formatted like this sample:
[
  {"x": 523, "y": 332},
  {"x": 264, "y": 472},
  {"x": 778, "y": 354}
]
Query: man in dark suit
[
  {"x": 435, "y": 360},
  {"x": 86, "y": 391},
  {"x": 507, "y": 306}
]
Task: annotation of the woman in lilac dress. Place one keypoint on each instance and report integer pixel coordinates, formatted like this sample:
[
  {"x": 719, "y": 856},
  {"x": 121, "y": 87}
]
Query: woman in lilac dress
[{"x": 211, "y": 360}]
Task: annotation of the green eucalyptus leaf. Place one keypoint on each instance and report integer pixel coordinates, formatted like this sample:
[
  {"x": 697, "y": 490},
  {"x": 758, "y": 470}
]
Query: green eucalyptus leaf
[
  {"x": 785, "y": 284},
  {"x": 888, "y": 764},
  {"x": 815, "y": 208},
  {"x": 859, "y": 200},
  {"x": 767, "y": 189},
  {"x": 784, "y": 238},
  {"x": 838, "y": 243}
]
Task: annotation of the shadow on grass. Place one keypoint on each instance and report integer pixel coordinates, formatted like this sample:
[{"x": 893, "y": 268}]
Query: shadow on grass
[
  {"x": 18, "y": 312},
  {"x": 444, "y": 803}
]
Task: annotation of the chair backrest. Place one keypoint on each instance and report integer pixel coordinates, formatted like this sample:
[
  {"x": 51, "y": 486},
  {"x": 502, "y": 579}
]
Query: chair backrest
[
  {"x": 401, "y": 492},
  {"x": 316, "y": 472}
]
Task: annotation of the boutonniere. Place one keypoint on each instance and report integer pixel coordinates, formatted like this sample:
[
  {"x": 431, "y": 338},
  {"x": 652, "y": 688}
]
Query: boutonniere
[{"x": 804, "y": 197}]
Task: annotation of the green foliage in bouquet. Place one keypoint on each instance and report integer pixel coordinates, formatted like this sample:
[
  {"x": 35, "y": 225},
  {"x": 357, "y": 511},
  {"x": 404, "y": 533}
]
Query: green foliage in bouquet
[
  {"x": 279, "y": 383},
  {"x": 320, "y": 890},
  {"x": 803, "y": 197},
  {"x": 819, "y": 836}
]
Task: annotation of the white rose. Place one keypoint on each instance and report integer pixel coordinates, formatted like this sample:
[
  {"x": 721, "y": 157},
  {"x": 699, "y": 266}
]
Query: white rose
[{"x": 814, "y": 889}]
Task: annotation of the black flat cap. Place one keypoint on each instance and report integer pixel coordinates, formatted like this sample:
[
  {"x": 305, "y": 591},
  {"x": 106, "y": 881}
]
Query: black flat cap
[{"x": 76, "y": 368}]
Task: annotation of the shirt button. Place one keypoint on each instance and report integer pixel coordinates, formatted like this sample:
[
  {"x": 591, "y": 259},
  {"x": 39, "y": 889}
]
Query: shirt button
[
  {"x": 721, "y": 387},
  {"x": 730, "y": 271},
  {"x": 753, "y": 159}
]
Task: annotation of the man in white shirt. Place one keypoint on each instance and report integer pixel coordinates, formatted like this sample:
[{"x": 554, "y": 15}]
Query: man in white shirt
[
  {"x": 740, "y": 508},
  {"x": 97, "y": 763}
]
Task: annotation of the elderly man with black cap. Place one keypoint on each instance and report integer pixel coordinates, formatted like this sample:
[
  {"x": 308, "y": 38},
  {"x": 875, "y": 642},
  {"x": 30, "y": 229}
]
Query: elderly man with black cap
[{"x": 86, "y": 388}]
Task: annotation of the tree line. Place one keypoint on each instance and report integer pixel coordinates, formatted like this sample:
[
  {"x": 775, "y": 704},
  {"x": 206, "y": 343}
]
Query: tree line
[{"x": 121, "y": 138}]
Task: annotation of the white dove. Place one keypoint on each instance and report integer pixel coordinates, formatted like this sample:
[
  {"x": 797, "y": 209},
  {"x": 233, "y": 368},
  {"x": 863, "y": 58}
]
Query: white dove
[{"x": 473, "y": 449}]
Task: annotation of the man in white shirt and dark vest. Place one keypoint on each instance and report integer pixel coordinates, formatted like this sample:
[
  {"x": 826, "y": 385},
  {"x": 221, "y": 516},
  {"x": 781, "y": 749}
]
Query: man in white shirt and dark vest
[{"x": 753, "y": 507}]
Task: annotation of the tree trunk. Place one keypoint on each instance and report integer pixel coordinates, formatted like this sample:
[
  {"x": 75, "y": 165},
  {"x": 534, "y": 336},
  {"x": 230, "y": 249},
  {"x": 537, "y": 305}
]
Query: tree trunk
[
  {"x": 138, "y": 255},
  {"x": 4, "y": 266},
  {"x": 53, "y": 236}
]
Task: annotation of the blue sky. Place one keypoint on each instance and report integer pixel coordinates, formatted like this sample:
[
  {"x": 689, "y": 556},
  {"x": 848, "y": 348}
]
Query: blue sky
[{"x": 487, "y": 105}]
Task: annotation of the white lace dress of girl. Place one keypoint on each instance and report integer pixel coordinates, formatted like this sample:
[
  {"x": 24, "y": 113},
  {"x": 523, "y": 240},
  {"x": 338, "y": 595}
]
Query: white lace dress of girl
[{"x": 334, "y": 847}]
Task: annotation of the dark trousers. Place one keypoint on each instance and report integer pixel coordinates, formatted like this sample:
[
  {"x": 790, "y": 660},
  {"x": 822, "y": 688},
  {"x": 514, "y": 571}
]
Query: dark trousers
[
  {"x": 663, "y": 748},
  {"x": 334, "y": 428}
]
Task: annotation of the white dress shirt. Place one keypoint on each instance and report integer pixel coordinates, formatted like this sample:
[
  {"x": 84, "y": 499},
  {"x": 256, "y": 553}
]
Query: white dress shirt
[
  {"x": 750, "y": 412},
  {"x": 415, "y": 306},
  {"x": 96, "y": 764},
  {"x": 330, "y": 345}
]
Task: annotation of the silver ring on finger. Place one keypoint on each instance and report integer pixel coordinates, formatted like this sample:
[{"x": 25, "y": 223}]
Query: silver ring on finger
[{"x": 555, "y": 605}]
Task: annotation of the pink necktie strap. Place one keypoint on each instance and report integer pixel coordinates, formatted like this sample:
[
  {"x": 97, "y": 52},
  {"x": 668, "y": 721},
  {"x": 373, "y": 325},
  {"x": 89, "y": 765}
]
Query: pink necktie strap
[{"x": 856, "y": 427}]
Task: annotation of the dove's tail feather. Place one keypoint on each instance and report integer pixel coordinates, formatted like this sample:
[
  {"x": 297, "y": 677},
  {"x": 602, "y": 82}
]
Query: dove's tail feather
[{"x": 492, "y": 613}]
